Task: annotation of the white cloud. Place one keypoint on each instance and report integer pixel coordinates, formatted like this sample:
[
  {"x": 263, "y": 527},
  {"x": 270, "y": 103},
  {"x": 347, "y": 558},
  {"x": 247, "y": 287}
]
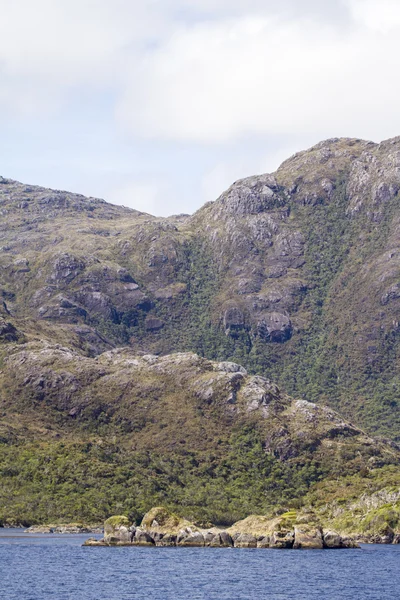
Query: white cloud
[
  {"x": 382, "y": 16},
  {"x": 216, "y": 81},
  {"x": 156, "y": 83},
  {"x": 208, "y": 72}
]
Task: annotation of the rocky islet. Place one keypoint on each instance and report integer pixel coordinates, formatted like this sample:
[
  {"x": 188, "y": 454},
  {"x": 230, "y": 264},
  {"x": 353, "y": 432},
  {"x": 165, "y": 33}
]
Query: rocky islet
[{"x": 285, "y": 532}]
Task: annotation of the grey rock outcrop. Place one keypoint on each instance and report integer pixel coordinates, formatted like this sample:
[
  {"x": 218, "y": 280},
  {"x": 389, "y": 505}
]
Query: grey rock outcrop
[
  {"x": 309, "y": 538},
  {"x": 281, "y": 539},
  {"x": 187, "y": 538},
  {"x": 222, "y": 540},
  {"x": 244, "y": 540}
]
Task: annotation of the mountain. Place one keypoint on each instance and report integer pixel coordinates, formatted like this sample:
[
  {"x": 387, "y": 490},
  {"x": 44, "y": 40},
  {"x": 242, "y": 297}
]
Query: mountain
[{"x": 122, "y": 335}]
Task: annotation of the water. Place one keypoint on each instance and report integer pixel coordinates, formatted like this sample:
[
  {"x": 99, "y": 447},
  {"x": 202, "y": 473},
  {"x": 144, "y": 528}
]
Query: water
[{"x": 56, "y": 567}]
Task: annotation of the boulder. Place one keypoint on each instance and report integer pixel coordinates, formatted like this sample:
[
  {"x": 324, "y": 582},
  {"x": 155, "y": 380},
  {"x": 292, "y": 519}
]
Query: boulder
[
  {"x": 156, "y": 536},
  {"x": 142, "y": 538},
  {"x": 208, "y": 537},
  {"x": 162, "y": 521},
  {"x": 308, "y": 537},
  {"x": 331, "y": 539},
  {"x": 281, "y": 539},
  {"x": 194, "y": 538},
  {"x": 348, "y": 542},
  {"x": 153, "y": 323},
  {"x": 263, "y": 542},
  {"x": 169, "y": 539},
  {"x": 116, "y": 529},
  {"x": 245, "y": 540},
  {"x": 93, "y": 542},
  {"x": 222, "y": 540}
]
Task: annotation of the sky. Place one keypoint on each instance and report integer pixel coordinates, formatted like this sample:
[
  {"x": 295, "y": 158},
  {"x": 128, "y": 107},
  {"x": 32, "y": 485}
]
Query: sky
[{"x": 161, "y": 104}]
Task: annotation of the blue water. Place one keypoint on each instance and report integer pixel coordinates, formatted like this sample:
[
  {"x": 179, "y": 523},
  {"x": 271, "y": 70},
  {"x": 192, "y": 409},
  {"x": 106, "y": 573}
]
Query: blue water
[{"x": 41, "y": 567}]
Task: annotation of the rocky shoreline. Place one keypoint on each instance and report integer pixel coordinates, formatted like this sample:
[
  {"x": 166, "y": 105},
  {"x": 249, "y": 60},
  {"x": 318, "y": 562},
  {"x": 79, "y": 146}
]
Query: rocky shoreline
[
  {"x": 162, "y": 528},
  {"x": 67, "y": 528}
]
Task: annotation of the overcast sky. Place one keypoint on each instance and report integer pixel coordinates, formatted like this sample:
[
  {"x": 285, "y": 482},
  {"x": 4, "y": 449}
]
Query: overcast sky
[{"x": 161, "y": 104}]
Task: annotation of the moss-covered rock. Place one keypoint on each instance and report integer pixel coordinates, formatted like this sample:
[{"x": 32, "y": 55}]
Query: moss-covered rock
[
  {"x": 116, "y": 529},
  {"x": 161, "y": 520},
  {"x": 308, "y": 537}
]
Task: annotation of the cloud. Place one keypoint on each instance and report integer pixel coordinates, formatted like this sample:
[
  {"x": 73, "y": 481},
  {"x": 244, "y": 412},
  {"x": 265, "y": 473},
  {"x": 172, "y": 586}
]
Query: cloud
[
  {"x": 207, "y": 72},
  {"x": 216, "y": 81},
  {"x": 382, "y": 16},
  {"x": 52, "y": 50},
  {"x": 183, "y": 97}
]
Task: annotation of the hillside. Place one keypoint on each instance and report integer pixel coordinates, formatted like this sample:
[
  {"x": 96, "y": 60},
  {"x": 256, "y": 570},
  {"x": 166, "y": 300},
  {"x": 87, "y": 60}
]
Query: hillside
[
  {"x": 83, "y": 437},
  {"x": 294, "y": 275},
  {"x": 114, "y": 326}
]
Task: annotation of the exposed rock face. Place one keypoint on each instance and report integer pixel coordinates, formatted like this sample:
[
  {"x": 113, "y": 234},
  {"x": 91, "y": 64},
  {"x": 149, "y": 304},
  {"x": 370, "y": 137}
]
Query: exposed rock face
[
  {"x": 221, "y": 540},
  {"x": 190, "y": 538},
  {"x": 116, "y": 529},
  {"x": 8, "y": 333},
  {"x": 275, "y": 327},
  {"x": 332, "y": 539},
  {"x": 244, "y": 540},
  {"x": 281, "y": 539},
  {"x": 308, "y": 538}
]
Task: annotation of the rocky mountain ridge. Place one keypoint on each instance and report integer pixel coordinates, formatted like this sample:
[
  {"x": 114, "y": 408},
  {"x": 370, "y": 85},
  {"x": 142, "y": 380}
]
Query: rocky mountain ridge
[
  {"x": 292, "y": 274},
  {"x": 122, "y": 337}
]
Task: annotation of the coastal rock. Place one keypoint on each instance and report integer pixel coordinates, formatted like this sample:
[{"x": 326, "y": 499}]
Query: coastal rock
[
  {"x": 234, "y": 320},
  {"x": 208, "y": 537},
  {"x": 142, "y": 538},
  {"x": 349, "y": 542},
  {"x": 67, "y": 529},
  {"x": 40, "y": 529},
  {"x": 306, "y": 537},
  {"x": 282, "y": 539},
  {"x": 222, "y": 540},
  {"x": 160, "y": 520},
  {"x": 94, "y": 542},
  {"x": 244, "y": 540},
  {"x": 188, "y": 538},
  {"x": 116, "y": 529},
  {"x": 331, "y": 539},
  {"x": 169, "y": 539}
]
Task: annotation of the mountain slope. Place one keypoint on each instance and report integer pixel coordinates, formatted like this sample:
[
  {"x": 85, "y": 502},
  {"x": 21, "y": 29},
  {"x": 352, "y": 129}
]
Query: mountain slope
[
  {"x": 295, "y": 275},
  {"x": 121, "y": 334},
  {"x": 82, "y": 437}
]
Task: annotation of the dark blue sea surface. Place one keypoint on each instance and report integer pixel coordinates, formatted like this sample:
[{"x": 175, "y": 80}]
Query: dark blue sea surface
[{"x": 41, "y": 567}]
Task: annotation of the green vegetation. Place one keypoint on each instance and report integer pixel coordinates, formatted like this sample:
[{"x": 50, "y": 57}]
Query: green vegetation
[{"x": 64, "y": 482}]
